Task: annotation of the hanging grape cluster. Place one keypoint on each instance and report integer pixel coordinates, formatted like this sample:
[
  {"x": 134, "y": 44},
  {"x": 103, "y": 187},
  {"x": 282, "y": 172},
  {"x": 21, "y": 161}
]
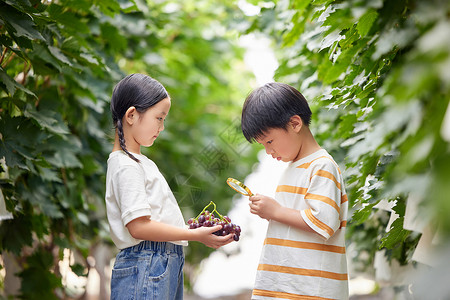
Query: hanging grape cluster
[{"x": 209, "y": 219}]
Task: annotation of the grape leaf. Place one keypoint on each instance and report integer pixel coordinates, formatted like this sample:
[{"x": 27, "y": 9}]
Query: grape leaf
[
  {"x": 366, "y": 21},
  {"x": 395, "y": 236},
  {"x": 11, "y": 85},
  {"x": 19, "y": 24}
]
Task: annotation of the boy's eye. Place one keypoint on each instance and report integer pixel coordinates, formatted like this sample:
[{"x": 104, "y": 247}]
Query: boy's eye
[{"x": 270, "y": 142}]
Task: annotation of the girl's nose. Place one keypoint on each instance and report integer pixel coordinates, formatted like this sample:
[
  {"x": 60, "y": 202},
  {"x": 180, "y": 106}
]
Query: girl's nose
[{"x": 269, "y": 150}]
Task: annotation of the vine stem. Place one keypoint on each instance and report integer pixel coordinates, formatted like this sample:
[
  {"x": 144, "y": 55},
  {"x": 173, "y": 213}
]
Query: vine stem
[
  {"x": 9, "y": 60},
  {"x": 220, "y": 216},
  {"x": 26, "y": 70},
  {"x": 214, "y": 210},
  {"x": 211, "y": 202},
  {"x": 3, "y": 54}
]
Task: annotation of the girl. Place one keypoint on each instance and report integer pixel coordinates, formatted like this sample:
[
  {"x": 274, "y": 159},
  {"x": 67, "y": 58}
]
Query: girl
[{"x": 145, "y": 221}]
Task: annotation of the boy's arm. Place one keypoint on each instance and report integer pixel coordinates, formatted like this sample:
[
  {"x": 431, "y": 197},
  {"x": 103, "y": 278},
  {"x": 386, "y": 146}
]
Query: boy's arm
[{"x": 269, "y": 209}]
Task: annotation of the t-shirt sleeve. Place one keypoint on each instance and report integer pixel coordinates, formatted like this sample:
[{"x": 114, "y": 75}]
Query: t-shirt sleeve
[
  {"x": 129, "y": 183},
  {"x": 323, "y": 199}
]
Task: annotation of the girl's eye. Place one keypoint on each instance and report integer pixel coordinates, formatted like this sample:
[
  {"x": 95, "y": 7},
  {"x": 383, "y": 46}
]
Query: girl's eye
[
  {"x": 160, "y": 119},
  {"x": 270, "y": 142}
]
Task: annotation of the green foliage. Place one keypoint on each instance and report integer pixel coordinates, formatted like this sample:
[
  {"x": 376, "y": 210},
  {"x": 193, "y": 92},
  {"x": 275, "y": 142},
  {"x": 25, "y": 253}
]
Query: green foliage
[
  {"x": 374, "y": 74},
  {"x": 38, "y": 281},
  {"x": 59, "y": 62}
]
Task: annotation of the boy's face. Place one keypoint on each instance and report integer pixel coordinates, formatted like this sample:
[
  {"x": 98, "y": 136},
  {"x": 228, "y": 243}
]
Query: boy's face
[{"x": 282, "y": 144}]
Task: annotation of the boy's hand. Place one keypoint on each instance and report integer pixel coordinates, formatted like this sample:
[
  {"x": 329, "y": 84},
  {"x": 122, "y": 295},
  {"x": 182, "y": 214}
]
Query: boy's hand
[{"x": 263, "y": 206}]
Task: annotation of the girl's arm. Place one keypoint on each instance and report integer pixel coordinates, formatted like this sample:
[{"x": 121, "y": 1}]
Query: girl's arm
[
  {"x": 269, "y": 209},
  {"x": 145, "y": 229}
]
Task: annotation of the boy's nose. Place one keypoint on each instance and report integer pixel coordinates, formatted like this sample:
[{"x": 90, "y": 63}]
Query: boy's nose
[{"x": 269, "y": 150}]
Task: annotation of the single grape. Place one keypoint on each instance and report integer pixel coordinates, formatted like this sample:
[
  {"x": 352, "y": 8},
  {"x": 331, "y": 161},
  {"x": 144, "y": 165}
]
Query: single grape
[
  {"x": 201, "y": 219},
  {"x": 236, "y": 237},
  {"x": 227, "y": 227}
]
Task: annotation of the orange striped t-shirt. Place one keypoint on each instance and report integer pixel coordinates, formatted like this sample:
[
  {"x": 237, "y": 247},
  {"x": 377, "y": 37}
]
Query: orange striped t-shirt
[{"x": 296, "y": 264}]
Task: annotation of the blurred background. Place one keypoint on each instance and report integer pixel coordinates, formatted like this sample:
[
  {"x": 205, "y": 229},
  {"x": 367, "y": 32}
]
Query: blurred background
[{"x": 374, "y": 72}]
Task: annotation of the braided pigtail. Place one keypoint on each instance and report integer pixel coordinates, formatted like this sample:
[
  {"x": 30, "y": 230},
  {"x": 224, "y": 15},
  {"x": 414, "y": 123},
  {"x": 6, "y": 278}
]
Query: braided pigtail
[{"x": 122, "y": 140}]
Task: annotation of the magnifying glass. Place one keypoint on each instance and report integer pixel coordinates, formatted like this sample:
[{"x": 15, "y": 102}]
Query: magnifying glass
[{"x": 239, "y": 187}]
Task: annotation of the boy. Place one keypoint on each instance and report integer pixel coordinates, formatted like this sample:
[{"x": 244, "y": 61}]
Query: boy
[{"x": 304, "y": 251}]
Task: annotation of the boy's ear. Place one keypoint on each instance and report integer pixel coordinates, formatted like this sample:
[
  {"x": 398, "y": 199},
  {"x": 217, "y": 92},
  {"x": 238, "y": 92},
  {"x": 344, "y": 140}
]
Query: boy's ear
[
  {"x": 296, "y": 123},
  {"x": 131, "y": 115}
]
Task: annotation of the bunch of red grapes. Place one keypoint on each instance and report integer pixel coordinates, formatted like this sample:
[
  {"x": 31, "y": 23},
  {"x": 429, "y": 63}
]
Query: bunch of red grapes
[{"x": 208, "y": 219}]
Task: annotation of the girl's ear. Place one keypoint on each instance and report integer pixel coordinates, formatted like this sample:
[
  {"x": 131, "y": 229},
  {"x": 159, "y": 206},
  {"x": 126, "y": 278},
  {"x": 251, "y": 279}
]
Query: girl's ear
[
  {"x": 131, "y": 115},
  {"x": 296, "y": 123}
]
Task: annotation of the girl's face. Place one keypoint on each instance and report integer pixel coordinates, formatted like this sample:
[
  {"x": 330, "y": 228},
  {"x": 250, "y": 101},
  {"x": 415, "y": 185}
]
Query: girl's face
[
  {"x": 282, "y": 144},
  {"x": 150, "y": 123}
]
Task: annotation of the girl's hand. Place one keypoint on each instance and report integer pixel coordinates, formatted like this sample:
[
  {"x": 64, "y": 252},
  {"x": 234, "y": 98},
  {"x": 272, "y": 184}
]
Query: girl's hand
[
  {"x": 205, "y": 235},
  {"x": 264, "y": 206}
]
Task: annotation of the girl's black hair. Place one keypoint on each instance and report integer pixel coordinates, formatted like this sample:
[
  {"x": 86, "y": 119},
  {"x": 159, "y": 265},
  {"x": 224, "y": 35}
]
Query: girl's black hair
[
  {"x": 138, "y": 90},
  {"x": 272, "y": 106}
]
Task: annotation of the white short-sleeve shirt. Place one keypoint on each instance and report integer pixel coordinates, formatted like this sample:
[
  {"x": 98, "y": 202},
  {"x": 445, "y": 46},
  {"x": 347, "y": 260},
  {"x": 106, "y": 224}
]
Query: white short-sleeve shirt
[
  {"x": 297, "y": 264},
  {"x": 136, "y": 190}
]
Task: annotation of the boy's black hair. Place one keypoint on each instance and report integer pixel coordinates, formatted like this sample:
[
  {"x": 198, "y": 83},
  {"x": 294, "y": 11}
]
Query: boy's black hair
[
  {"x": 138, "y": 90},
  {"x": 272, "y": 106}
]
